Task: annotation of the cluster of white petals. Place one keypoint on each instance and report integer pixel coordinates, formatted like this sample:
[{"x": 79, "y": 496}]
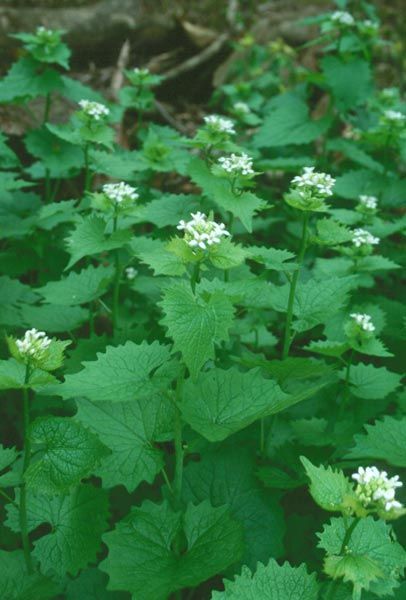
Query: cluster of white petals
[
  {"x": 44, "y": 33},
  {"x": 370, "y": 24},
  {"x": 237, "y": 164},
  {"x": 364, "y": 321},
  {"x": 33, "y": 344},
  {"x": 362, "y": 237},
  {"x": 95, "y": 110},
  {"x": 131, "y": 273},
  {"x": 201, "y": 233},
  {"x": 376, "y": 488},
  {"x": 395, "y": 116},
  {"x": 242, "y": 107},
  {"x": 120, "y": 192},
  {"x": 141, "y": 72},
  {"x": 370, "y": 202},
  {"x": 312, "y": 182},
  {"x": 220, "y": 124},
  {"x": 342, "y": 17}
]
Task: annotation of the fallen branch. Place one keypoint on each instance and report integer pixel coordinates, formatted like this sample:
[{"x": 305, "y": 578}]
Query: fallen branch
[{"x": 198, "y": 59}]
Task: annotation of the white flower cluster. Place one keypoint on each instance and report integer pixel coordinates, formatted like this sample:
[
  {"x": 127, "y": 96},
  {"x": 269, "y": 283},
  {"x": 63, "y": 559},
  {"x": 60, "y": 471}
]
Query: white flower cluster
[
  {"x": 201, "y": 233},
  {"x": 118, "y": 193},
  {"x": 395, "y": 116},
  {"x": 342, "y": 17},
  {"x": 370, "y": 202},
  {"x": 141, "y": 72},
  {"x": 375, "y": 487},
  {"x": 364, "y": 321},
  {"x": 219, "y": 124},
  {"x": 237, "y": 164},
  {"x": 312, "y": 182},
  {"x": 131, "y": 273},
  {"x": 370, "y": 24},
  {"x": 33, "y": 344},
  {"x": 242, "y": 107},
  {"x": 362, "y": 237},
  {"x": 44, "y": 33},
  {"x": 95, "y": 110}
]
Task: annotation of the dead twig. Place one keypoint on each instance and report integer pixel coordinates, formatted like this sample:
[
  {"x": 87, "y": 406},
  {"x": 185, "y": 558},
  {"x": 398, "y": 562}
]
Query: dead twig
[
  {"x": 198, "y": 59},
  {"x": 117, "y": 79},
  {"x": 169, "y": 118}
]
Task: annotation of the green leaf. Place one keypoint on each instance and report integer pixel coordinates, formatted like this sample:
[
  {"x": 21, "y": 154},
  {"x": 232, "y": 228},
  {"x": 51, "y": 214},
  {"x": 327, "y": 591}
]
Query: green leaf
[
  {"x": 54, "y": 318},
  {"x": 352, "y": 150},
  {"x": 89, "y": 238},
  {"x": 169, "y": 209},
  {"x": 227, "y": 478},
  {"x": 154, "y": 253},
  {"x": 369, "y": 382},
  {"x": 312, "y": 304},
  {"x": 332, "y": 233},
  {"x": 227, "y": 255},
  {"x": 370, "y": 553},
  {"x": 64, "y": 453},
  {"x": 350, "y": 81},
  {"x": 271, "y": 582},
  {"x": 327, "y": 348},
  {"x": 369, "y": 346},
  {"x": 384, "y": 440},
  {"x": 141, "y": 557},
  {"x": 61, "y": 158},
  {"x": 12, "y": 376},
  {"x": 222, "y": 402},
  {"x": 28, "y": 79},
  {"x": 16, "y": 584},
  {"x": 195, "y": 324},
  {"x": 272, "y": 258},
  {"x": 289, "y": 123},
  {"x": 121, "y": 374},
  {"x": 328, "y": 488},
  {"x": 129, "y": 429},
  {"x": 78, "y": 288},
  {"x": 91, "y": 585},
  {"x": 77, "y": 522},
  {"x": 243, "y": 206},
  {"x": 7, "y": 456}
]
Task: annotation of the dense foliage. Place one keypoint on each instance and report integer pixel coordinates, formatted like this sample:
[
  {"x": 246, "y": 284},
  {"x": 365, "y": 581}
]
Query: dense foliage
[{"x": 202, "y": 336}]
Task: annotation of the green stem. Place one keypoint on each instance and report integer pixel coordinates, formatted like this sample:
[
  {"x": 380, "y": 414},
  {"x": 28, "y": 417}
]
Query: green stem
[
  {"x": 177, "y": 431},
  {"x": 288, "y": 338},
  {"x": 166, "y": 479},
  {"x": 195, "y": 276},
  {"x": 91, "y": 319},
  {"x": 347, "y": 537},
  {"x": 230, "y": 227},
  {"x": 47, "y": 186},
  {"x": 26, "y": 462},
  {"x": 8, "y": 498},
  {"x": 262, "y": 437},
  {"x": 116, "y": 285}
]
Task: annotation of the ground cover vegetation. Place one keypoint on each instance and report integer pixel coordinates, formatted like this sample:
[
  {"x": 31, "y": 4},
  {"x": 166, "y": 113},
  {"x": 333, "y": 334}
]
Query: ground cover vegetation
[{"x": 202, "y": 349}]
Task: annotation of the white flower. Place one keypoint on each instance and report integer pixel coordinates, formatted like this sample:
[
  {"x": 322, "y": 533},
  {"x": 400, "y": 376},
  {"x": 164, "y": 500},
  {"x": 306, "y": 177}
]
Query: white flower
[
  {"x": 141, "y": 72},
  {"x": 201, "y": 233},
  {"x": 376, "y": 488},
  {"x": 364, "y": 321},
  {"x": 395, "y": 116},
  {"x": 368, "y": 24},
  {"x": 95, "y": 110},
  {"x": 44, "y": 33},
  {"x": 370, "y": 202},
  {"x": 131, "y": 273},
  {"x": 242, "y": 107},
  {"x": 343, "y": 18},
  {"x": 220, "y": 124},
  {"x": 309, "y": 181},
  {"x": 237, "y": 164},
  {"x": 121, "y": 192},
  {"x": 362, "y": 237},
  {"x": 33, "y": 344}
]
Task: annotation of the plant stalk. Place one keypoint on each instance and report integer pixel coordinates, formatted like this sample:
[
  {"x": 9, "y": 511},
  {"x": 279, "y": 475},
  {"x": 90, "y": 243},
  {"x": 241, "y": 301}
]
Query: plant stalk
[
  {"x": 88, "y": 174},
  {"x": 288, "y": 338},
  {"x": 347, "y": 537},
  {"x": 195, "y": 276},
  {"x": 116, "y": 285},
  {"x": 26, "y": 462}
]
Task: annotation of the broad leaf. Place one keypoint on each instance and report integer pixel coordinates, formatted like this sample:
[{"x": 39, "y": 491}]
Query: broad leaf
[
  {"x": 349, "y": 80},
  {"x": 77, "y": 522},
  {"x": 12, "y": 376},
  {"x": 89, "y": 237},
  {"x": 227, "y": 478},
  {"x": 195, "y": 324},
  {"x": 369, "y": 382},
  {"x": 221, "y": 403},
  {"x": 385, "y": 440},
  {"x": 64, "y": 453},
  {"x": 271, "y": 582},
  {"x": 328, "y": 488},
  {"x": 142, "y": 558},
  {"x": 16, "y": 584},
  {"x": 121, "y": 374},
  {"x": 78, "y": 288},
  {"x": 128, "y": 429}
]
